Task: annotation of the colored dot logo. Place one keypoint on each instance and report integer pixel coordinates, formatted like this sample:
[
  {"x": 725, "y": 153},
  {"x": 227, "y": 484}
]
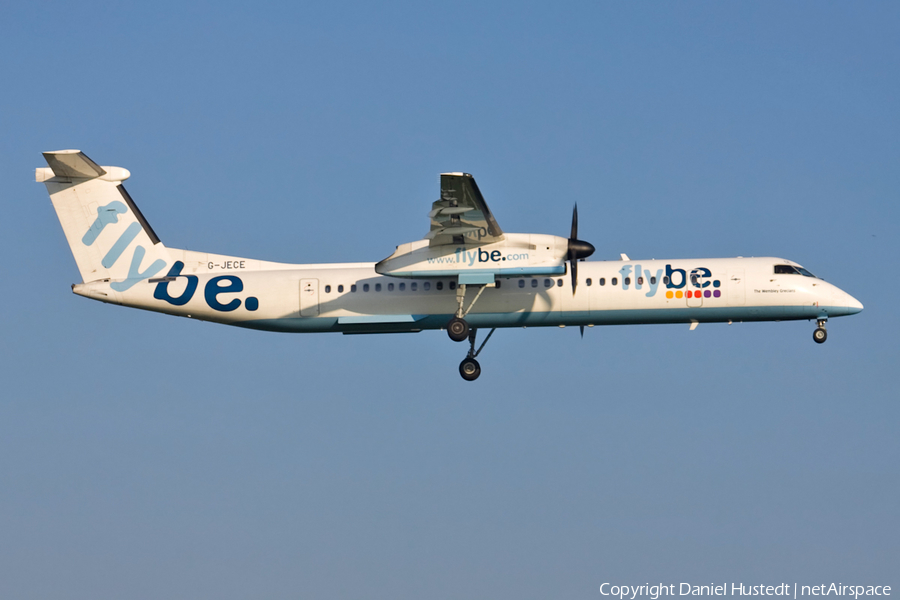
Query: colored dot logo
[{"x": 696, "y": 293}]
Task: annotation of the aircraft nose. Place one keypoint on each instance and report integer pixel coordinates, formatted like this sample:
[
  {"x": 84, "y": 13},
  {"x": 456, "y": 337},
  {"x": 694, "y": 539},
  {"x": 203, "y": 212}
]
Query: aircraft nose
[{"x": 854, "y": 305}]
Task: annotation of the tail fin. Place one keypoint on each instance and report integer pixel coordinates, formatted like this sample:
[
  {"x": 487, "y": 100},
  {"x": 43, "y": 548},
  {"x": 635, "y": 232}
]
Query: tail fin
[{"x": 108, "y": 235}]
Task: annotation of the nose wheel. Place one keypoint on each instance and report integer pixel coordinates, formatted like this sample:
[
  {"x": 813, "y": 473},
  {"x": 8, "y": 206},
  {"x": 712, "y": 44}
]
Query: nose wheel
[
  {"x": 469, "y": 367},
  {"x": 820, "y": 334}
]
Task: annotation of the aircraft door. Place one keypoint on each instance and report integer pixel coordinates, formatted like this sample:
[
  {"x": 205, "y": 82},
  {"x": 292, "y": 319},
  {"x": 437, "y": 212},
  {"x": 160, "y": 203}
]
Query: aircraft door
[
  {"x": 309, "y": 297},
  {"x": 734, "y": 287}
]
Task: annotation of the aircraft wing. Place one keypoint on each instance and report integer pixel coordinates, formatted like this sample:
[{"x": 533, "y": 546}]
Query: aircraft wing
[{"x": 461, "y": 215}]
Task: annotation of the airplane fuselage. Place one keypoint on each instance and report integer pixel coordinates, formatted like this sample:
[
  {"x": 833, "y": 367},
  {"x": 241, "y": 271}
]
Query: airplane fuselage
[
  {"x": 353, "y": 298},
  {"x": 465, "y": 274}
]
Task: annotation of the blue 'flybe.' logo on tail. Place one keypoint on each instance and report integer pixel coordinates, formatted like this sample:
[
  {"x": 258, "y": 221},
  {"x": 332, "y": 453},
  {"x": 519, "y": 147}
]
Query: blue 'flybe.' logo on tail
[{"x": 107, "y": 215}]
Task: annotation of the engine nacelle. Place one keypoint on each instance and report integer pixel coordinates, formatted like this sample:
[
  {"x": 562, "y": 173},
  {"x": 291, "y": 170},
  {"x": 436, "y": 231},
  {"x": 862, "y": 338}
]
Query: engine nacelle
[{"x": 516, "y": 255}]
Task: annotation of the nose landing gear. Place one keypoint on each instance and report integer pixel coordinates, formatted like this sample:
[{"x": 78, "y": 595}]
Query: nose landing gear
[
  {"x": 469, "y": 367},
  {"x": 820, "y": 334}
]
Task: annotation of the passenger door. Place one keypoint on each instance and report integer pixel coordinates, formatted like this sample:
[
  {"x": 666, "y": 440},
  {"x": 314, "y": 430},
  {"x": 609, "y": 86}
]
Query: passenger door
[
  {"x": 693, "y": 293},
  {"x": 309, "y": 297},
  {"x": 734, "y": 287}
]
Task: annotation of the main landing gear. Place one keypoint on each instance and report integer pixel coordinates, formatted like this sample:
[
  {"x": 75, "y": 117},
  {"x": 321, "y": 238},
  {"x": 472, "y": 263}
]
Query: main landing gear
[
  {"x": 469, "y": 367},
  {"x": 457, "y": 328},
  {"x": 820, "y": 334}
]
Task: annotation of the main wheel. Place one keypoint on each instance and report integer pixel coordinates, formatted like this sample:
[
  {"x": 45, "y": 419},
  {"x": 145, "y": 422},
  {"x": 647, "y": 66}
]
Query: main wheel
[
  {"x": 458, "y": 329},
  {"x": 469, "y": 369},
  {"x": 820, "y": 335}
]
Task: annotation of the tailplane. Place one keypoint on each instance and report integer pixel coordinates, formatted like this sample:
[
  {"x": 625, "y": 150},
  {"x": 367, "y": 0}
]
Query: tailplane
[{"x": 106, "y": 231}]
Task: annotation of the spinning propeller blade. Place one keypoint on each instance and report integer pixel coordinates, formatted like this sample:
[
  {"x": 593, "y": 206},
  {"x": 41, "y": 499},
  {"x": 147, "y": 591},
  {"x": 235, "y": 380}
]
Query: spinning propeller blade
[{"x": 578, "y": 250}]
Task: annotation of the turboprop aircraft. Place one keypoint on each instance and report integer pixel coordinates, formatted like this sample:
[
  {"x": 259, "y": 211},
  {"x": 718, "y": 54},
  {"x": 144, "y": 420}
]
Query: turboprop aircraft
[{"x": 466, "y": 274}]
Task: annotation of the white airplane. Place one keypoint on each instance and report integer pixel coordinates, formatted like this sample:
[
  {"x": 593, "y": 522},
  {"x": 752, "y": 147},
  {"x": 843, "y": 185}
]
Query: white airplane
[{"x": 467, "y": 274}]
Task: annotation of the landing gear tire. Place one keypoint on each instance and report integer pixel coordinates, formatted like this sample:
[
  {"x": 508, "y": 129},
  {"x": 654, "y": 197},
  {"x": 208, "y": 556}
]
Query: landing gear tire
[
  {"x": 469, "y": 369},
  {"x": 820, "y": 335},
  {"x": 458, "y": 330}
]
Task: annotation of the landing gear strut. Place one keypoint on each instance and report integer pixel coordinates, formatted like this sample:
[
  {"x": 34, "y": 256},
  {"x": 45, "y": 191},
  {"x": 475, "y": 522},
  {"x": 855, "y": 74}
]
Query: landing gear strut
[
  {"x": 469, "y": 367},
  {"x": 457, "y": 328},
  {"x": 820, "y": 334}
]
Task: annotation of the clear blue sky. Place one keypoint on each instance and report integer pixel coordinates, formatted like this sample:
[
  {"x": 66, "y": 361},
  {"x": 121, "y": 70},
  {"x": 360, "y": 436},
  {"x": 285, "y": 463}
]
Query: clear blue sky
[{"x": 144, "y": 456}]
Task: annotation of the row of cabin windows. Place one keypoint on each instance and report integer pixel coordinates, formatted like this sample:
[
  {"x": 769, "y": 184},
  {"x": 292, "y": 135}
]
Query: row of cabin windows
[
  {"x": 547, "y": 283},
  {"x": 439, "y": 285},
  {"x": 413, "y": 286}
]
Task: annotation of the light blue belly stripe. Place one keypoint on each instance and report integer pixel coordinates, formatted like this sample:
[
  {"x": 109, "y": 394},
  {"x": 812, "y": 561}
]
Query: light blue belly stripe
[
  {"x": 552, "y": 319},
  {"x": 363, "y": 319}
]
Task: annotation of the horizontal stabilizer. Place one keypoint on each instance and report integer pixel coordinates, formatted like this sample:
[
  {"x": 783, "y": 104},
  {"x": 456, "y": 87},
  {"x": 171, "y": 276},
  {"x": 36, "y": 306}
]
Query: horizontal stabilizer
[{"x": 73, "y": 164}]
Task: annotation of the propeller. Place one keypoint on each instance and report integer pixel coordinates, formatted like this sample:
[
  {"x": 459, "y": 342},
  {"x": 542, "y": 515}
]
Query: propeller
[{"x": 578, "y": 250}]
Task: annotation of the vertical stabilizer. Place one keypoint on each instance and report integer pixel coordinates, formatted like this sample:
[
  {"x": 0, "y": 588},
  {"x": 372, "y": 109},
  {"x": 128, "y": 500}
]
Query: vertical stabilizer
[{"x": 106, "y": 231}]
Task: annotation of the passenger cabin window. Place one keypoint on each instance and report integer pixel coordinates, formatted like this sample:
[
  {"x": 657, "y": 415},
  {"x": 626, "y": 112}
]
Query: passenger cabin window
[
  {"x": 587, "y": 282},
  {"x": 439, "y": 285},
  {"x": 614, "y": 281},
  {"x": 327, "y": 289},
  {"x": 640, "y": 281},
  {"x": 340, "y": 289},
  {"x": 413, "y": 286},
  {"x": 559, "y": 283},
  {"x": 390, "y": 287},
  {"x": 547, "y": 283},
  {"x": 521, "y": 283},
  {"x": 452, "y": 285},
  {"x": 601, "y": 281},
  {"x": 426, "y": 286},
  {"x": 365, "y": 287},
  {"x": 353, "y": 288},
  {"x": 377, "y": 287},
  {"x": 402, "y": 286},
  {"x": 666, "y": 279},
  {"x": 653, "y": 280},
  {"x": 534, "y": 283},
  {"x": 627, "y": 281},
  {"x": 496, "y": 284}
]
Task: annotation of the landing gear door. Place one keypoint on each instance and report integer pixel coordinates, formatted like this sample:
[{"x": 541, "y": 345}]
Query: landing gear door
[{"x": 309, "y": 297}]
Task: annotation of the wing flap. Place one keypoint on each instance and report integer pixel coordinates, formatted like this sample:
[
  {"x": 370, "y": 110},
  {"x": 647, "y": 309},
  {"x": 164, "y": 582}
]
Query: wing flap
[{"x": 461, "y": 215}]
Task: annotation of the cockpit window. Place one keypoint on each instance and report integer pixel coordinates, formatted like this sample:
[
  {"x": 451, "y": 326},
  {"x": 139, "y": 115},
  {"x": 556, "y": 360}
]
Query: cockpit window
[
  {"x": 786, "y": 270},
  {"x": 792, "y": 270}
]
